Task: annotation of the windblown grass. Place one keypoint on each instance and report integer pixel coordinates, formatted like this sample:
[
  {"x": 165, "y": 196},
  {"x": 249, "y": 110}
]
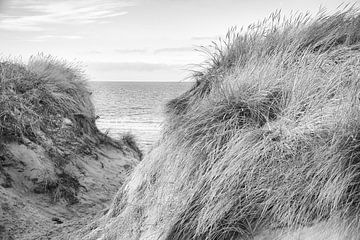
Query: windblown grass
[
  {"x": 267, "y": 139},
  {"x": 47, "y": 102},
  {"x": 36, "y": 96}
]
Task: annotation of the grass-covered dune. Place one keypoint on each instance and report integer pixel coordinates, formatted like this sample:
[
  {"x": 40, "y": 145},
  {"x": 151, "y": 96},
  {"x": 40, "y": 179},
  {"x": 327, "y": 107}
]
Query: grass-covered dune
[
  {"x": 54, "y": 162},
  {"x": 265, "y": 145}
]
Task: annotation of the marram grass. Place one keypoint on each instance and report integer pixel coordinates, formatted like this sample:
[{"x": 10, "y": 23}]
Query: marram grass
[
  {"x": 37, "y": 95},
  {"x": 266, "y": 141},
  {"x": 46, "y": 103}
]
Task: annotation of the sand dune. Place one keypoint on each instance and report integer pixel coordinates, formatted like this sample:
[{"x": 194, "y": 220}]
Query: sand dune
[
  {"x": 57, "y": 170},
  {"x": 263, "y": 146}
]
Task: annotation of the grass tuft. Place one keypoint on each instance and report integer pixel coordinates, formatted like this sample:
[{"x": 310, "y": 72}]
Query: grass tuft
[
  {"x": 47, "y": 102},
  {"x": 37, "y": 97},
  {"x": 129, "y": 140}
]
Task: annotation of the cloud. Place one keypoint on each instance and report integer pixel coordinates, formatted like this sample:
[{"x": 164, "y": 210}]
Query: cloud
[
  {"x": 201, "y": 38},
  {"x": 131, "y": 66},
  {"x": 156, "y": 51},
  {"x": 94, "y": 52},
  {"x": 130, "y": 50},
  {"x": 44, "y": 38},
  {"x": 174, "y": 49},
  {"x": 134, "y": 71},
  {"x": 2, "y": 5},
  {"x": 33, "y": 15}
]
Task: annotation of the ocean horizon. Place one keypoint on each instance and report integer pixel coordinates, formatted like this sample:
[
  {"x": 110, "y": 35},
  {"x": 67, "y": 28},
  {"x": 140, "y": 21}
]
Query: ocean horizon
[{"x": 133, "y": 107}]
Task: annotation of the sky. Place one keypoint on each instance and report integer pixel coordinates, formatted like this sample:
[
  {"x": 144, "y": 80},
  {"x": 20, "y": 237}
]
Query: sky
[{"x": 131, "y": 40}]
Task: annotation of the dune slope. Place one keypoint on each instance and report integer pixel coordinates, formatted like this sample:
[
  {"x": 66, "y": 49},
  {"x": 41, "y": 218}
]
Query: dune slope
[
  {"x": 264, "y": 145},
  {"x": 55, "y": 165}
]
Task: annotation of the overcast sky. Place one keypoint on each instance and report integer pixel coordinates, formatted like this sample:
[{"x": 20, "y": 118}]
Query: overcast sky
[{"x": 130, "y": 40}]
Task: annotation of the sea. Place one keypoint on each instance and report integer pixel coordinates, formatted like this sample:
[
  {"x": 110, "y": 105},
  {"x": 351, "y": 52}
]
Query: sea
[{"x": 134, "y": 107}]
